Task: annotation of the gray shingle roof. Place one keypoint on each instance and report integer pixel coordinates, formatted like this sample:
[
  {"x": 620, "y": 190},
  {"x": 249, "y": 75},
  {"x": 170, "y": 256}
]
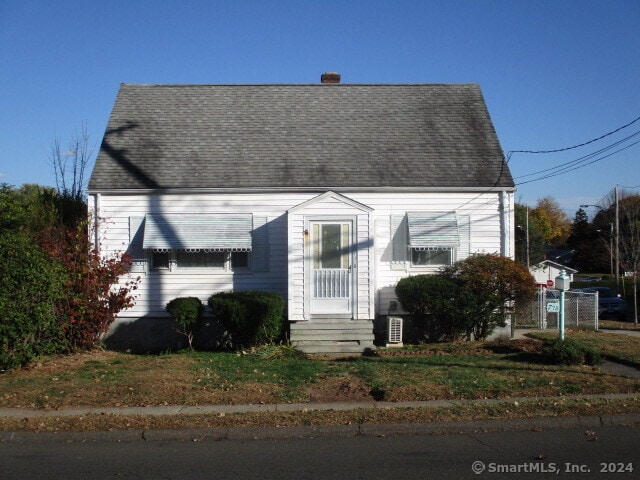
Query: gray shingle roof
[{"x": 299, "y": 136}]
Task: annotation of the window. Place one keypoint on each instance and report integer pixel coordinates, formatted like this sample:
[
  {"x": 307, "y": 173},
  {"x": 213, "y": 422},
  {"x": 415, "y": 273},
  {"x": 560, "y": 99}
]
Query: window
[
  {"x": 436, "y": 257},
  {"x": 428, "y": 239},
  {"x": 239, "y": 260},
  {"x": 200, "y": 259},
  {"x": 160, "y": 260}
]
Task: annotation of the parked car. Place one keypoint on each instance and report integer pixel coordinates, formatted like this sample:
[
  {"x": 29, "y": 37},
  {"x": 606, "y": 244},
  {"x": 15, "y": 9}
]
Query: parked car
[{"x": 610, "y": 304}]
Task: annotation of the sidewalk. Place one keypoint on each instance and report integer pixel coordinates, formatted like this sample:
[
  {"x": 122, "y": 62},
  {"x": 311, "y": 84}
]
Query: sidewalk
[
  {"x": 285, "y": 407},
  {"x": 357, "y": 429}
]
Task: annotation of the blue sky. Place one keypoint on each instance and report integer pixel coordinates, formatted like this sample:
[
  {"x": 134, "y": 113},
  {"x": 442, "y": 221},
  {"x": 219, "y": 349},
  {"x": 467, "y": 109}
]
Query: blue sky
[{"x": 554, "y": 73}]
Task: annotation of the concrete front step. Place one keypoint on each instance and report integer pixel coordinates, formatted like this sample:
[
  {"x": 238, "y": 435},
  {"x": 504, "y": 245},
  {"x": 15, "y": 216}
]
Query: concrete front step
[
  {"x": 337, "y": 347},
  {"x": 328, "y": 324},
  {"x": 331, "y": 335}
]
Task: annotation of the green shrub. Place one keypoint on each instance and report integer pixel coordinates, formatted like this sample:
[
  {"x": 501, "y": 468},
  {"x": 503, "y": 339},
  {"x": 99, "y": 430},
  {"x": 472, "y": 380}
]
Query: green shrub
[
  {"x": 186, "y": 312},
  {"x": 432, "y": 301},
  {"x": 32, "y": 284},
  {"x": 570, "y": 352},
  {"x": 251, "y": 318}
]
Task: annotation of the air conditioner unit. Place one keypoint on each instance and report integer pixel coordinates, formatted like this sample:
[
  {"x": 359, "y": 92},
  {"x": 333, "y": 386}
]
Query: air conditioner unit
[{"x": 394, "y": 331}]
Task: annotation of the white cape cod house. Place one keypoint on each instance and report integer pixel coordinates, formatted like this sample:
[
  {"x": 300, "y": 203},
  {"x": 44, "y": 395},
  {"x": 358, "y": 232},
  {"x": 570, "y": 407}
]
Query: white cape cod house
[{"x": 326, "y": 193}]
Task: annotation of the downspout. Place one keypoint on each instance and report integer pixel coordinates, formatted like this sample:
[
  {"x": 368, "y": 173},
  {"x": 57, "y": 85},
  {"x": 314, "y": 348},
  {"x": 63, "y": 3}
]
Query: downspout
[
  {"x": 506, "y": 222},
  {"x": 506, "y": 248},
  {"x": 97, "y": 200}
]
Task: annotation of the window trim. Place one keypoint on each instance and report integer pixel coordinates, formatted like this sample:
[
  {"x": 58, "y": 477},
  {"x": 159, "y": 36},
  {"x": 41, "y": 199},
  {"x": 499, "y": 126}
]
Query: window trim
[{"x": 418, "y": 266}]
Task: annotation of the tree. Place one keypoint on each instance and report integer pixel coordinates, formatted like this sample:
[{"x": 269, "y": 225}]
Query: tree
[
  {"x": 553, "y": 223},
  {"x": 580, "y": 227},
  {"x": 71, "y": 164},
  {"x": 28, "y": 209},
  {"x": 629, "y": 241},
  {"x": 583, "y": 241}
]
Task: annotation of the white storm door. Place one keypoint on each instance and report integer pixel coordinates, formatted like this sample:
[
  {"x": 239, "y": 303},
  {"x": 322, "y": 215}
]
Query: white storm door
[{"x": 331, "y": 281}]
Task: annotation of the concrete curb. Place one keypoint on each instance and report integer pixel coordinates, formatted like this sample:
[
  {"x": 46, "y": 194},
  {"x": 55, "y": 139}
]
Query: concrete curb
[
  {"x": 330, "y": 431},
  {"x": 364, "y": 429}
]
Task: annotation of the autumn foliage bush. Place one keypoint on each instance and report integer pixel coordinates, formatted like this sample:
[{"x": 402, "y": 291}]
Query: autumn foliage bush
[
  {"x": 489, "y": 285},
  {"x": 57, "y": 293},
  {"x": 93, "y": 294},
  {"x": 466, "y": 300}
]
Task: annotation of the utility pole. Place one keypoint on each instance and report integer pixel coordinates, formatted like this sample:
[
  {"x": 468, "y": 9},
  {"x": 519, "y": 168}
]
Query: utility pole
[
  {"x": 527, "y": 236},
  {"x": 611, "y": 246},
  {"x": 617, "y": 198}
]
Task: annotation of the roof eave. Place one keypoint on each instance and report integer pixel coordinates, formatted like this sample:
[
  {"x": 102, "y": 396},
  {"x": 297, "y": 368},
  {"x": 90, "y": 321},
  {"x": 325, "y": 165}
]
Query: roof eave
[{"x": 313, "y": 189}]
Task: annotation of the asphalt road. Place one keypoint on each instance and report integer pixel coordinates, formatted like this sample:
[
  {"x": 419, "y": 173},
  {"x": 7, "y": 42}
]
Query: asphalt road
[{"x": 578, "y": 452}]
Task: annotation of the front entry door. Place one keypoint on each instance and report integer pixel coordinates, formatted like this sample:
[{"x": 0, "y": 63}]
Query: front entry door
[{"x": 331, "y": 280}]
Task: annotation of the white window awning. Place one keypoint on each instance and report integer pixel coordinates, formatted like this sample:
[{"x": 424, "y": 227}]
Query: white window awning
[
  {"x": 433, "y": 230},
  {"x": 220, "y": 232}
]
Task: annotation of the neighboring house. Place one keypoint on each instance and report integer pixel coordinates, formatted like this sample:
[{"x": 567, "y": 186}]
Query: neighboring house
[
  {"x": 563, "y": 257},
  {"x": 545, "y": 272},
  {"x": 326, "y": 193}
]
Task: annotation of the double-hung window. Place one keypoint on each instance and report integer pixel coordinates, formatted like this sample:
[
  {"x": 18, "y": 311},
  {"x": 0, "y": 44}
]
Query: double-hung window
[{"x": 424, "y": 240}]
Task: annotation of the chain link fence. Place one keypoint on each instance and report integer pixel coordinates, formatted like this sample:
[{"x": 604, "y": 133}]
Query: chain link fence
[{"x": 580, "y": 310}]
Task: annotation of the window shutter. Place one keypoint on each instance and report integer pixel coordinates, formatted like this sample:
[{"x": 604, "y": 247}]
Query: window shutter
[
  {"x": 464, "y": 228},
  {"x": 398, "y": 242},
  {"x": 135, "y": 250},
  {"x": 260, "y": 245}
]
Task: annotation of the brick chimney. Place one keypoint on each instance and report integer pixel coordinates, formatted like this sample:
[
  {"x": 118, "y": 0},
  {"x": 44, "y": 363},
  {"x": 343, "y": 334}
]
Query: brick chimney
[{"x": 330, "y": 77}]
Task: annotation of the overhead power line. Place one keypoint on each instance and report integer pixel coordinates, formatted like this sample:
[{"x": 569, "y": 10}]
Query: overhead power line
[
  {"x": 570, "y": 169},
  {"x": 574, "y": 146},
  {"x": 576, "y": 162}
]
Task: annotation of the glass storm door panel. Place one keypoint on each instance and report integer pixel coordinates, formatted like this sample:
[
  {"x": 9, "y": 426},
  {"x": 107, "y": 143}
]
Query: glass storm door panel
[{"x": 331, "y": 268}]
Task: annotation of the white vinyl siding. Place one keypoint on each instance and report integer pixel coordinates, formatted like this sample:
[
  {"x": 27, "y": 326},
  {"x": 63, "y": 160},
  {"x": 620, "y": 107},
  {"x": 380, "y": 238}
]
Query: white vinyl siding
[
  {"x": 280, "y": 240},
  {"x": 260, "y": 244}
]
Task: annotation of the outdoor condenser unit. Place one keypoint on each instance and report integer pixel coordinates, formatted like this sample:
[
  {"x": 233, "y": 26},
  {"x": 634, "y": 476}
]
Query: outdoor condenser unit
[{"x": 394, "y": 330}]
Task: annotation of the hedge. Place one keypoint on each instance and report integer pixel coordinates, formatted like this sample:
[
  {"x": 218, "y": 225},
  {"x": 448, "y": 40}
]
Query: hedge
[
  {"x": 32, "y": 284},
  {"x": 251, "y": 318}
]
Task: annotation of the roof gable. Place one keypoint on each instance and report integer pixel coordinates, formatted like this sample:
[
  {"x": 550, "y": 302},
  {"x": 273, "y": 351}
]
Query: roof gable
[
  {"x": 311, "y": 137},
  {"x": 331, "y": 196}
]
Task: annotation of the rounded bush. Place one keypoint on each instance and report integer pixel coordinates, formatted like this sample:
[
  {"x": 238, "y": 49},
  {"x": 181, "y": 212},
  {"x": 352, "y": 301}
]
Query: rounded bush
[
  {"x": 570, "y": 352},
  {"x": 186, "y": 312},
  {"x": 432, "y": 302},
  {"x": 251, "y": 318}
]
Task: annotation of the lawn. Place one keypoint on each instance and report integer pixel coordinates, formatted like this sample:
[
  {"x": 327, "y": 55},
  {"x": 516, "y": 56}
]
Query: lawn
[{"x": 462, "y": 370}]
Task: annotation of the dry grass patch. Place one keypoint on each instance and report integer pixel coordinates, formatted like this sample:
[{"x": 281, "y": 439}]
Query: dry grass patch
[
  {"x": 614, "y": 325},
  {"x": 458, "y": 370}
]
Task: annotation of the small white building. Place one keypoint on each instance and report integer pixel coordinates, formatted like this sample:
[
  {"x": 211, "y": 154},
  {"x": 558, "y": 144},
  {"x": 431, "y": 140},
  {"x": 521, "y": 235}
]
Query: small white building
[
  {"x": 327, "y": 194},
  {"x": 545, "y": 272}
]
